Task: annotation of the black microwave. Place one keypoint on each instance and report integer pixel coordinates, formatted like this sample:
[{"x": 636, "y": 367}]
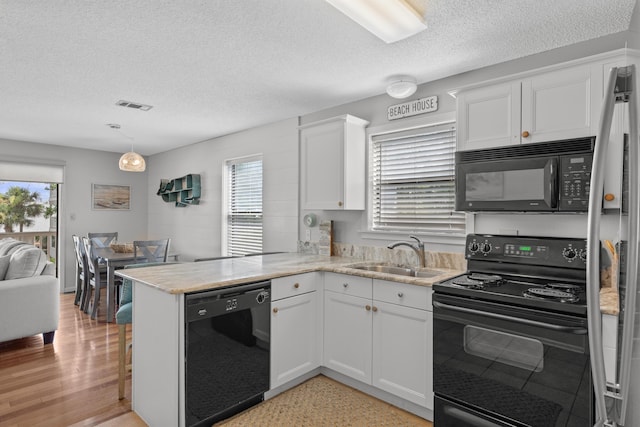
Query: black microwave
[{"x": 540, "y": 177}]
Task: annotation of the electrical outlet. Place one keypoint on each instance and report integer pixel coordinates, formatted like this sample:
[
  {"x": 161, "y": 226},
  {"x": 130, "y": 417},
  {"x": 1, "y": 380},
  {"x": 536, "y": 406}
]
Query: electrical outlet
[{"x": 307, "y": 236}]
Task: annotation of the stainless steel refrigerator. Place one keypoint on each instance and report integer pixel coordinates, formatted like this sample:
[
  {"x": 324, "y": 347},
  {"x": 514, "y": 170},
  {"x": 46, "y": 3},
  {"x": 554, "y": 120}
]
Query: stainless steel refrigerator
[{"x": 613, "y": 397}]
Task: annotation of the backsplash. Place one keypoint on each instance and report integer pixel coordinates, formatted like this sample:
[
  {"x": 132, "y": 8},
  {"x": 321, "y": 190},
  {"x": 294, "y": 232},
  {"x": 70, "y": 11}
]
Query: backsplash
[{"x": 398, "y": 256}]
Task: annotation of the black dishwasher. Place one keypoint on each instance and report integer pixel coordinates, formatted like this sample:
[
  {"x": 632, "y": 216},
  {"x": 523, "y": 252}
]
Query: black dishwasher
[{"x": 227, "y": 351}]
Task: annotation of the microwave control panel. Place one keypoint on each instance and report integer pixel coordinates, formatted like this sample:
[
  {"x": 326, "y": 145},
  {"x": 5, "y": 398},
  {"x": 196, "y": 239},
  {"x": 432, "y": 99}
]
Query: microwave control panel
[{"x": 575, "y": 179}]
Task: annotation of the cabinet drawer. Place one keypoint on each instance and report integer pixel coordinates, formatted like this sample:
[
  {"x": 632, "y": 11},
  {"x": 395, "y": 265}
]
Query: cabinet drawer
[
  {"x": 284, "y": 287},
  {"x": 348, "y": 285},
  {"x": 402, "y": 294}
]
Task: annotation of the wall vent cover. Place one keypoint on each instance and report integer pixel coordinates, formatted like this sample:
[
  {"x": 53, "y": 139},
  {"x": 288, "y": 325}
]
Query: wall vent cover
[{"x": 134, "y": 105}]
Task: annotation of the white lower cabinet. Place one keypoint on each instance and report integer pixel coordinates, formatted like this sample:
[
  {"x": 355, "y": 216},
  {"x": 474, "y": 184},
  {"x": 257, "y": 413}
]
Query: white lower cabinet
[
  {"x": 347, "y": 338},
  {"x": 401, "y": 352},
  {"x": 296, "y": 329},
  {"x": 384, "y": 340}
]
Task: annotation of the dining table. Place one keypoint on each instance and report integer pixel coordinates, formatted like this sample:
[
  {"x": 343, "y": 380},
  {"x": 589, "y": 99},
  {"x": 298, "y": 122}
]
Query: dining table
[{"x": 116, "y": 260}]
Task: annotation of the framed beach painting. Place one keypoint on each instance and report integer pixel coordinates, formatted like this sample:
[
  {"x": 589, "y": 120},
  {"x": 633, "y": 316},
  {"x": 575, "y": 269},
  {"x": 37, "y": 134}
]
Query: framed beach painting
[{"x": 110, "y": 197}]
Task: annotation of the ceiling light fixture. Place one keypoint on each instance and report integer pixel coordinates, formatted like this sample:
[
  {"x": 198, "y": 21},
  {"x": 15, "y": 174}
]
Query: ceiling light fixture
[
  {"x": 402, "y": 87},
  {"x": 130, "y": 161},
  {"x": 389, "y": 20}
]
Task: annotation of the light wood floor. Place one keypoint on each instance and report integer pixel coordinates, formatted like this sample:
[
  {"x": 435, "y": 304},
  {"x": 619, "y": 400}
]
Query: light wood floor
[{"x": 73, "y": 382}]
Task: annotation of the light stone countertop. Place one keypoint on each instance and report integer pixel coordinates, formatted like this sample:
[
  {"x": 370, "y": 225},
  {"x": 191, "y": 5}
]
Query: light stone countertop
[{"x": 200, "y": 276}]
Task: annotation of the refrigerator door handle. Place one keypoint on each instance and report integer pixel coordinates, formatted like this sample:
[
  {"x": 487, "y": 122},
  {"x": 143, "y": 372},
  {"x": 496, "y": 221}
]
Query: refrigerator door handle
[
  {"x": 620, "y": 87},
  {"x": 626, "y": 343},
  {"x": 593, "y": 250}
]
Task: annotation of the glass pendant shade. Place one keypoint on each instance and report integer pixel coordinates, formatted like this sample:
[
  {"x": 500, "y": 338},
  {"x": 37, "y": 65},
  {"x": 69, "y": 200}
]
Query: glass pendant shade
[{"x": 132, "y": 162}]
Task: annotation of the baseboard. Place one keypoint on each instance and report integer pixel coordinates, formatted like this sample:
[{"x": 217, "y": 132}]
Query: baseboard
[
  {"x": 294, "y": 382},
  {"x": 379, "y": 394},
  {"x": 365, "y": 388}
]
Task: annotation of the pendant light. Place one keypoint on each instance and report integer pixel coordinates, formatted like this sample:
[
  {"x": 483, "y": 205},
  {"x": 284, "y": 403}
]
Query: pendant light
[{"x": 130, "y": 161}]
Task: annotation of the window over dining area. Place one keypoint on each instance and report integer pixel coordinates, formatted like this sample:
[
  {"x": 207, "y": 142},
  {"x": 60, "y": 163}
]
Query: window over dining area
[
  {"x": 412, "y": 181},
  {"x": 242, "y": 226}
]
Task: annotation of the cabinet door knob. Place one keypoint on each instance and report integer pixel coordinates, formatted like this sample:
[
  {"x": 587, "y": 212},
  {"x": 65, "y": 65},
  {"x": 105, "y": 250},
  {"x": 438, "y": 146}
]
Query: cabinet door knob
[
  {"x": 374, "y": 308},
  {"x": 400, "y": 294},
  {"x": 525, "y": 134},
  {"x": 367, "y": 307},
  {"x": 345, "y": 285},
  {"x": 609, "y": 197},
  {"x": 275, "y": 309},
  {"x": 296, "y": 285},
  {"x": 340, "y": 204}
]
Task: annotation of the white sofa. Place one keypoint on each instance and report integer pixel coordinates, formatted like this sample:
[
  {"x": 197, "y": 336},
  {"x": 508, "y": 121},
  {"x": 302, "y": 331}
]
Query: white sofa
[{"x": 29, "y": 292}]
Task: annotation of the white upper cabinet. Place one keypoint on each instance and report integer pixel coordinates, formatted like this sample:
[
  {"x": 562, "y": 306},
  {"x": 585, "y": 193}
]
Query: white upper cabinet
[
  {"x": 489, "y": 116},
  {"x": 549, "y": 106},
  {"x": 561, "y": 104},
  {"x": 333, "y": 164}
]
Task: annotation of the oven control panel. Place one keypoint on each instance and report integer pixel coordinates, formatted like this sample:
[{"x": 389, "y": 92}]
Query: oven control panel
[{"x": 549, "y": 251}]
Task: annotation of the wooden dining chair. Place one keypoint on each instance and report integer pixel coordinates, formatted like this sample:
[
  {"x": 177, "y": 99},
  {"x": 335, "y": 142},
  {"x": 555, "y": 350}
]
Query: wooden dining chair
[
  {"x": 103, "y": 240},
  {"x": 150, "y": 250},
  {"x": 96, "y": 279},
  {"x": 81, "y": 271}
]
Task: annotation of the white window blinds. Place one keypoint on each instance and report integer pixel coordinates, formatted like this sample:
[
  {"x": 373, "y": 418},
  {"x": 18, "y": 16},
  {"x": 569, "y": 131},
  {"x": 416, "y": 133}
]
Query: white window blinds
[
  {"x": 413, "y": 181},
  {"x": 244, "y": 206},
  {"x": 31, "y": 172}
]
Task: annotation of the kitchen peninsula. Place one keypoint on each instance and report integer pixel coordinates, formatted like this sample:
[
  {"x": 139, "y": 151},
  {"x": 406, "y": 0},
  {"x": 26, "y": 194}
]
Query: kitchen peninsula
[{"x": 158, "y": 374}]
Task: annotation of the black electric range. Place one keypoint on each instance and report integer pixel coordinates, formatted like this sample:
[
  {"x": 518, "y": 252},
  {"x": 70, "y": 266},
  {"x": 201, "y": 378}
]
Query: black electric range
[
  {"x": 510, "y": 336},
  {"x": 536, "y": 272}
]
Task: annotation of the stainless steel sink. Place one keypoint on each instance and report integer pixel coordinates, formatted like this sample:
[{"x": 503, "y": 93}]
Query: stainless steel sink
[
  {"x": 425, "y": 272},
  {"x": 400, "y": 271}
]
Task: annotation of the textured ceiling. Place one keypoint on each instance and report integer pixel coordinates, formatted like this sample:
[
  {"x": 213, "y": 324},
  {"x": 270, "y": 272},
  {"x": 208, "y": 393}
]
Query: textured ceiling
[{"x": 213, "y": 67}]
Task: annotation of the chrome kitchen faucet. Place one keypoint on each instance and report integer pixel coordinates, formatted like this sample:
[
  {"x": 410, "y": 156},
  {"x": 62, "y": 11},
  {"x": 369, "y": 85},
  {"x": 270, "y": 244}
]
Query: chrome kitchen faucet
[{"x": 418, "y": 248}]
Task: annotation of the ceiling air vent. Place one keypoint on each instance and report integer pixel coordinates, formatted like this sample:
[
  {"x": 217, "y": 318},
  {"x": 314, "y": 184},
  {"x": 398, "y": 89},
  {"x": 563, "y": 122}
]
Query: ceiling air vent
[{"x": 134, "y": 105}]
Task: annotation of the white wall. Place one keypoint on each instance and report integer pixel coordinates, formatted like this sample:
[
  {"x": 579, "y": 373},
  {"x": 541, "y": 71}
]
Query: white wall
[
  {"x": 195, "y": 230},
  {"x": 82, "y": 168}
]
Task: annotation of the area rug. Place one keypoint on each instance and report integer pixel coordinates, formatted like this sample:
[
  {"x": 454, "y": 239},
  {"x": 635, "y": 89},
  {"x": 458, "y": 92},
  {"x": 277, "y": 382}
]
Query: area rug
[{"x": 322, "y": 401}]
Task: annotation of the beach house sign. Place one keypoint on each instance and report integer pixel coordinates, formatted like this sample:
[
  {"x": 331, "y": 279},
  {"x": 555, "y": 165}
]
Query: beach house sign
[{"x": 413, "y": 108}]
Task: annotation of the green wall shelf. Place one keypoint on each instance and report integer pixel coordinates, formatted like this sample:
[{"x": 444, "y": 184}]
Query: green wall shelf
[{"x": 183, "y": 191}]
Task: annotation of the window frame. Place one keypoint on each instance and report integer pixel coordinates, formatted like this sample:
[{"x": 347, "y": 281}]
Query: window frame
[
  {"x": 405, "y": 125},
  {"x": 225, "y": 199}
]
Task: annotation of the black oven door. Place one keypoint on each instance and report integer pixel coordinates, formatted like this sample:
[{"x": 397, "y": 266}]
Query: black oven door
[
  {"x": 494, "y": 366},
  {"x": 529, "y": 184}
]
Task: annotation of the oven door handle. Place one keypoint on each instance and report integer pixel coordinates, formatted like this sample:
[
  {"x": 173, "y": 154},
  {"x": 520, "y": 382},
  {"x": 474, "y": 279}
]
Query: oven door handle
[
  {"x": 559, "y": 328},
  {"x": 467, "y": 418}
]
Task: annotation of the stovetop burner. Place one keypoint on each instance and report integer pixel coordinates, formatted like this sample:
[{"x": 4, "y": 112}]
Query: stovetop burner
[
  {"x": 565, "y": 287},
  {"x": 549, "y": 293},
  {"x": 523, "y": 291},
  {"x": 477, "y": 281}
]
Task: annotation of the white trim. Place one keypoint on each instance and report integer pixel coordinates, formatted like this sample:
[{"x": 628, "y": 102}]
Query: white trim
[
  {"x": 409, "y": 124},
  {"x": 347, "y": 118},
  {"x": 426, "y": 237},
  {"x": 553, "y": 67}
]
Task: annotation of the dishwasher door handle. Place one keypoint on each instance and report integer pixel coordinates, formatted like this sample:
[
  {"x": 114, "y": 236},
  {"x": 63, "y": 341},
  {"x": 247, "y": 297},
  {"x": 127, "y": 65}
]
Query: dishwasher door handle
[{"x": 560, "y": 328}]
